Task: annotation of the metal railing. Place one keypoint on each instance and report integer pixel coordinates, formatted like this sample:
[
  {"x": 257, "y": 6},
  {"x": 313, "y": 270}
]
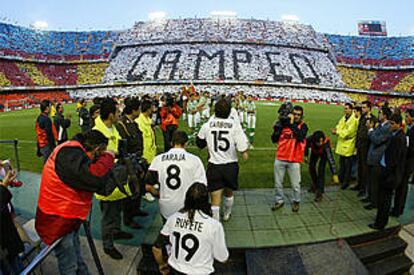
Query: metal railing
[{"x": 16, "y": 151}]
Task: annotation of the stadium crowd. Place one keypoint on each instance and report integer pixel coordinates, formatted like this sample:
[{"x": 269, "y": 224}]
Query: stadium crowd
[
  {"x": 269, "y": 93},
  {"x": 379, "y": 51},
  {"x": 55, "y": 45},
  {"x": 26, "y": 51},
  {"x": 222, "y": 62},
  {"x": 235, "y": 30}
]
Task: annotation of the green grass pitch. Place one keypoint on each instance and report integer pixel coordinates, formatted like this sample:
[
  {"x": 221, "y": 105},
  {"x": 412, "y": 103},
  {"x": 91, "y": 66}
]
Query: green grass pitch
[{"x": 257, "y": 172}]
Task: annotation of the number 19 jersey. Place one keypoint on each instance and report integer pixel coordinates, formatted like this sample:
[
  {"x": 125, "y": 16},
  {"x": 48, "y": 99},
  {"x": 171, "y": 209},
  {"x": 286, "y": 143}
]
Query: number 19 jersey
[
  {"x": 224, "y": 138},
  {"x": 195, "y": 245},
  {"x": 177, "y": 170}
]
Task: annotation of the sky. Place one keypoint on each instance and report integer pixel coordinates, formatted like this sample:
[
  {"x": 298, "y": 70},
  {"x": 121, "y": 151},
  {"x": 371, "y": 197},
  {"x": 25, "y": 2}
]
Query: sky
[{"x": 325, "y": 16}]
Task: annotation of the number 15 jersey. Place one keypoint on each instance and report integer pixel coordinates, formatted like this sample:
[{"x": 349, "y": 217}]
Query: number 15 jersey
[
  {"x": 224, "y": 138},
  {"x": 177, "y": 170}
]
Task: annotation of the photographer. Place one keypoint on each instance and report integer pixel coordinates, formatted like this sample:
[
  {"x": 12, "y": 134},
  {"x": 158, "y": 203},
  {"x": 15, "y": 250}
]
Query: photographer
[
  {"x": 290, "y": 134},
  {"x": 85, "y": 121},
  {"x": 129, "y": 130},
  {"x": 10, "y": 243},
  {"x": 45, "y": 132},
  {"x": 320, "y": 150},
  {"x": 170, "y": 114},
  {"x": 75, "y": 170}
]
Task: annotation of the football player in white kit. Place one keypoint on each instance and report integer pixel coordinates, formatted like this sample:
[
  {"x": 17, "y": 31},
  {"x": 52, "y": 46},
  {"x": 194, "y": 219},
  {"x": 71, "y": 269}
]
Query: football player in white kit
[
  {"x": 175, "y": 171},
  {"x": 205, "y": 110},
  {"x": 192, "y": 112},
  {"x": 251, "y": 118},
  {"x": 196, "y": 238},
  {"x": 224, "y": 137}
]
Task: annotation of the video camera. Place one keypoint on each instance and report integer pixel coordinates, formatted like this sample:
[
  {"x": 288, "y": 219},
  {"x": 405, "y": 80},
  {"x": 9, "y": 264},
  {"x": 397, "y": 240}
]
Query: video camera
[
  {"x": 169, "y": 100},
  {"x": 285, "y": 109}
]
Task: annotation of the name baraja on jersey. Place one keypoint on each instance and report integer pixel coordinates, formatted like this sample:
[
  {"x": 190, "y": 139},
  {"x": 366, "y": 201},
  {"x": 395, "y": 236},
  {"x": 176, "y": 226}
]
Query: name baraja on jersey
[{"x": 173, "y": 157}]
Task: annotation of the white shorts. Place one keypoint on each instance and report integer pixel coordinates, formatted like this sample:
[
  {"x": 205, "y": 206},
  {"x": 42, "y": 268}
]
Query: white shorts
[
  {"x": 206, "y": 113},
  {"x": 251, "y": 121}
]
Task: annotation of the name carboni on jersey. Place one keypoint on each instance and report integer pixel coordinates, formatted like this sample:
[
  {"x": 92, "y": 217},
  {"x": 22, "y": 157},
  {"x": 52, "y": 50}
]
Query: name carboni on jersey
[{"x": 220, "y": 124}]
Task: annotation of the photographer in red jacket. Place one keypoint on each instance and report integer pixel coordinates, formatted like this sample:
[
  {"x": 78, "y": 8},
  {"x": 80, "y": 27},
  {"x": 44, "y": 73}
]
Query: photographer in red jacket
[
  {"x": 74, "y": 171},
  {"x": 289, "y": 133},
  {"x": 170, "y": 114}
]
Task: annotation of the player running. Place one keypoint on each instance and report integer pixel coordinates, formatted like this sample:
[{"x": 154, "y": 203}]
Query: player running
[{"x": 224, "y": 137}]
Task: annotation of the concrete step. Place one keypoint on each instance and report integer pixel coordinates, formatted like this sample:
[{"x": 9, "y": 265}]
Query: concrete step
[
  {"x": 381, "y": 249},
  {"x": 397, "y": 264}
]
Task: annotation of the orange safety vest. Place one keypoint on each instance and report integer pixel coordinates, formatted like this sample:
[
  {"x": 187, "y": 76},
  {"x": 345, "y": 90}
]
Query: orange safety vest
[
  {"x": 41, "y": 134},
  {"x": 58, "y": 198},
  {"x": 289, "y": 149}
]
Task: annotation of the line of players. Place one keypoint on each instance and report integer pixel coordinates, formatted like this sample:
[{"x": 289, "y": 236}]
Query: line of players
[
  {"x": 192, "y": 231},
  {"x": 198, "y": 109}
]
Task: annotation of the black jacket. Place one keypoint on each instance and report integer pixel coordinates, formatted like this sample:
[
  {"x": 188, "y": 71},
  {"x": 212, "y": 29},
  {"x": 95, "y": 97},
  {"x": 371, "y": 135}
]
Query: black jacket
[
  {"x": 61, "y": 124},
  {"x": 410, "y": 153},
  {"x": 299, "y": 134},
  {"x": 44, "y": 122},
  {"x": 85, "y": 121},
  {"x": 10, "y": 241},
  {"x": 395, "y": 157},
  {"x": 362, "y": 140},
  {"x": 324, "y": 152},
  {"x": 130, "y": 131},
  {"x": 72, "y": 167}
]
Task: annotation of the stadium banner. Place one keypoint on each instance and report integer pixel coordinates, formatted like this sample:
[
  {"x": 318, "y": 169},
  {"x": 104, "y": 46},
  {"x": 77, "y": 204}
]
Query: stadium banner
[
  {"x": 372, "y": 28},
  {"x": 221, "y": 62}
]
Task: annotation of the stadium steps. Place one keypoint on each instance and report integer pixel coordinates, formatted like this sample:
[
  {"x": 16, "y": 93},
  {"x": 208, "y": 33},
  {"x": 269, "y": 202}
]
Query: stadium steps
[{"x": 382, "y": 252}]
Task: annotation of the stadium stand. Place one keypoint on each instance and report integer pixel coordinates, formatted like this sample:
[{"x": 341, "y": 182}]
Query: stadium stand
[
  {"x": 380, "y": 80},
  {"x": 20, "y": 100},
  {"x": 30, "y": 57},
  {"x": 54, "y": 45},
  {"x": 382, "y": 51}
]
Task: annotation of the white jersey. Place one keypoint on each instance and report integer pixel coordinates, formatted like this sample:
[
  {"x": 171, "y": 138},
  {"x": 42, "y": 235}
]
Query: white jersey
[
  {"x": 177, "y": 171},
  {"x": 234, "y": 115},
  {"x": 195, "y": 245},
  {"x": 224, "y": 138}
]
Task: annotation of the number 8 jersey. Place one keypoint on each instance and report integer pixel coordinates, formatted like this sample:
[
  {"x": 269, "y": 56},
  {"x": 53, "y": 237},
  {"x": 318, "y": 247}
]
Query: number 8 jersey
[
  {"x": 195, "y": 245},
  {"x": 224, "y": 138},
  {"x": 177, "y": 170}
]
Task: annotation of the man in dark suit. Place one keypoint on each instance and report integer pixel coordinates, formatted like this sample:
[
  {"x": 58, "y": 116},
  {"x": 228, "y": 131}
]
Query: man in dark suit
[
  {"x": 362, "y": 145},
  {"x": 378, "y": 141},
  {"x": 402, "y": 189},
  {"x": 392, "y": 164}
]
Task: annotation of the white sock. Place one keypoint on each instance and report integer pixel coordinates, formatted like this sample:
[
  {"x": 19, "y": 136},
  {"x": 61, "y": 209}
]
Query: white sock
[
  {"x": 228, "y": 204},
  {"x": 216, "y": 212}
]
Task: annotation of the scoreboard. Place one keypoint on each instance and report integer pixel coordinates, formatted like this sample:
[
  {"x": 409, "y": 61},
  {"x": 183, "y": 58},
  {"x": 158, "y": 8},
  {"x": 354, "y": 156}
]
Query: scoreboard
[{"x": 372, "y": 28}]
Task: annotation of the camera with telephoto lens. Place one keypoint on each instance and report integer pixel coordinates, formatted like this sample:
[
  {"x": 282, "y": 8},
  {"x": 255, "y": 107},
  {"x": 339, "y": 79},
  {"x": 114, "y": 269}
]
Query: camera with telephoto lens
[{"x": 136, "y": 167}]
